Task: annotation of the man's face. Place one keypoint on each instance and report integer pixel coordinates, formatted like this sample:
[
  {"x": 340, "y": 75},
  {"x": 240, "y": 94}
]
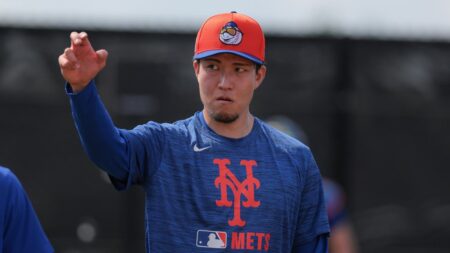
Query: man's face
[{"x": 227, "y": 83}]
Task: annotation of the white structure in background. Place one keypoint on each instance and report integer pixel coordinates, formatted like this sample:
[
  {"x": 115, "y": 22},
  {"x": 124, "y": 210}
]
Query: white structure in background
[{"x": 379, "y": 18}]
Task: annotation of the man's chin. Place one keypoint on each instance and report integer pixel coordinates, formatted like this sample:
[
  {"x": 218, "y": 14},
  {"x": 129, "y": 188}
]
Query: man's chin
[{"x": 224, "y": 117}]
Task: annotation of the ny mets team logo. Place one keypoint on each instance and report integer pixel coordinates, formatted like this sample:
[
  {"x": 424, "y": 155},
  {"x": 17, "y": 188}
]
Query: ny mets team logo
[
  {"x": 230, "y": 34},
  {"x": 246, "y": 188}
]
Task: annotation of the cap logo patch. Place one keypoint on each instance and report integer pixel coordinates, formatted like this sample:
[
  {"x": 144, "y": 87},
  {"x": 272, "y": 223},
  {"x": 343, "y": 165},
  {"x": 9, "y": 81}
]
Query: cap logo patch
[{"x": 230, "y": 34}]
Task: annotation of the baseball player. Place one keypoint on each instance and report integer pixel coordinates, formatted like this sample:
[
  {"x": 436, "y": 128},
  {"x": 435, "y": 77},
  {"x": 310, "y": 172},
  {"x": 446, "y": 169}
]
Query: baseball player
[
  {"x": 20, "y": 230},
  {"x": 222, "y": 172}
]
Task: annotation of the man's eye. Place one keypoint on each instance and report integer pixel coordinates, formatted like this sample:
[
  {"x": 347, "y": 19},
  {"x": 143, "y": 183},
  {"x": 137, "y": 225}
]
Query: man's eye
[
  {"x": 211, "y": 67},
  {"x": 240, "y": 70}
]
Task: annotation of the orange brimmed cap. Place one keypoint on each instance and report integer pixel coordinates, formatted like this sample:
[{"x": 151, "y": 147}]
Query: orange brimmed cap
[{"x": 232, "y": 33}]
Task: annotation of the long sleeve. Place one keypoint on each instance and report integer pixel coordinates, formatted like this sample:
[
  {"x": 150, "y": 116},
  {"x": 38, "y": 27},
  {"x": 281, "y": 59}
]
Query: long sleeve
[
  {"x": 128, "y": 156},
  {"x": 101, "y": 140}
]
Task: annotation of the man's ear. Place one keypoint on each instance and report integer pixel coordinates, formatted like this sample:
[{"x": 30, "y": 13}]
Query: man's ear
[
  {"x": 260, "y": 75},
  {"x": 196, "y": 65}
]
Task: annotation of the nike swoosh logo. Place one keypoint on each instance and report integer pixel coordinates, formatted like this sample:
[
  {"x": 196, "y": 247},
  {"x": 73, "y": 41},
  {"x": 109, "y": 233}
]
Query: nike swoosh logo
[{"x": 197, "y": 149}]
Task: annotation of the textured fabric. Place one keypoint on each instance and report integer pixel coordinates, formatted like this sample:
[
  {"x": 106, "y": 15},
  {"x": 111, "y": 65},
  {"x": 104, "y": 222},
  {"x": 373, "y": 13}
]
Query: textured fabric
[
  {"x": 20, "y": 230},
  {"x": 262, "y": 192},
  {"x": 319, "y": 244}
]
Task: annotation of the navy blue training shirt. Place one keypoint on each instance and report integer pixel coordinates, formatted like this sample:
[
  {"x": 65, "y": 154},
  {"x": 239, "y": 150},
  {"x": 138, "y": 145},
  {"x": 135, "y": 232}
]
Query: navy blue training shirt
[{"x": 205, "y": 192}]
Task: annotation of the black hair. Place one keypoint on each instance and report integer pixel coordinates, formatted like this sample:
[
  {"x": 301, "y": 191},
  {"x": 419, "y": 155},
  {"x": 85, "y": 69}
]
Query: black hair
[{"x": 257, "y": 67}]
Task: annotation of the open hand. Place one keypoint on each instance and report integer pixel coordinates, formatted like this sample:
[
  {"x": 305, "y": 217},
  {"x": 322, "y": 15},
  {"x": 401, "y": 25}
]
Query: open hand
[{"x": 80, "y": 63}]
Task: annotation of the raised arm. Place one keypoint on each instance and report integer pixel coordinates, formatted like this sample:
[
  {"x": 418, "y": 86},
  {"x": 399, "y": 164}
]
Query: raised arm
[
  {"x": 101, "y": 140},
  {"x": 125, "y": 154}
]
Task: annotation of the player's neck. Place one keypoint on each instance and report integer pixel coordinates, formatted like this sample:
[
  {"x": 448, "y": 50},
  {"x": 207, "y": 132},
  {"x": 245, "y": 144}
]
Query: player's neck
[{"x": 239, "y": 128}]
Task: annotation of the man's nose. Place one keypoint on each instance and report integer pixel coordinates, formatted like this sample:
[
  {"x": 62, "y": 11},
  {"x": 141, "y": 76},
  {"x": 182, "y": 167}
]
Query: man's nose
[{"x": 226, "y": 81}]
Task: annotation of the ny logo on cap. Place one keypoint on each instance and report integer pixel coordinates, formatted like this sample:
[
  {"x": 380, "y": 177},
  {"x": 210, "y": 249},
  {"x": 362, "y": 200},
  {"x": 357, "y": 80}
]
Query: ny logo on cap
[{"x": 230, "y": 34}]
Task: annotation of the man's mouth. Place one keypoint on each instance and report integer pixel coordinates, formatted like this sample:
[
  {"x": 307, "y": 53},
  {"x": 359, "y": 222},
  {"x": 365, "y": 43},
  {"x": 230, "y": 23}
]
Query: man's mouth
[{"x": 224, "y": 99}]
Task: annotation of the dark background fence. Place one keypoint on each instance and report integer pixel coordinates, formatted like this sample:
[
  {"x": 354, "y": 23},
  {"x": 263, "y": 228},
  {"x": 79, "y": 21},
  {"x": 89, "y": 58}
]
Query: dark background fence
[{"x": 377, "y": 115}]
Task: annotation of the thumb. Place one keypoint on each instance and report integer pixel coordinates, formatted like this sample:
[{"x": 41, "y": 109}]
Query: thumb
[{"x": 102, "y": 55}]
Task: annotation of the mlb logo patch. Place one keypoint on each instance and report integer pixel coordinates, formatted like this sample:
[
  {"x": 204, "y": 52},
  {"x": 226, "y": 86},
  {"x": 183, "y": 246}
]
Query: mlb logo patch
[{"x": 211, "y": 239}]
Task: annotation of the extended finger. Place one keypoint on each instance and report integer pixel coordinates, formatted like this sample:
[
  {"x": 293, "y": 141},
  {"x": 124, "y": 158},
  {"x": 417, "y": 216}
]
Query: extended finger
[
  {"x": 68, "y": 59},
  {"x": 102, "y": 55},
  {"x": 74, "y": 37},
  {"x": 64, "y": 63},
  {"x": 83, "y": 35},
  {"x": 70, "y": 55},
  {"x": 77, "y": 39},
  {"x": 82, "y": 40}
]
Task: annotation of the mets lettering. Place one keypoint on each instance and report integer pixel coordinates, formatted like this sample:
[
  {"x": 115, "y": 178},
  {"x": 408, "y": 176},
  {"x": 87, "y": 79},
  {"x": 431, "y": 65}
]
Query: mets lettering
[
  {"x": 250, "y": 241},
  {"x": 226, "y": 179}
]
